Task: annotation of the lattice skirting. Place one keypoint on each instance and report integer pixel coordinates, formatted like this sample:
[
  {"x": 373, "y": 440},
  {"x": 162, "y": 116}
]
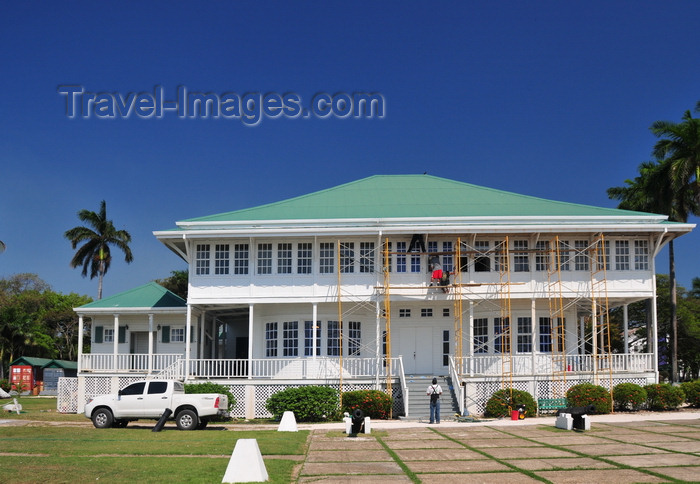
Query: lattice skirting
[
  {"x": 478, "y": 393},
  {"x": 68, "y": 397}
]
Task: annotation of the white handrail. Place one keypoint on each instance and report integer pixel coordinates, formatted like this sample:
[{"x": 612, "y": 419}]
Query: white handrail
[{"x": 456, "y": 380}]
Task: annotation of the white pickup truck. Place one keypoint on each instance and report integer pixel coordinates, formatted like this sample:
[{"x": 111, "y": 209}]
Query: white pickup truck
[{"x": 149, "y": 399}]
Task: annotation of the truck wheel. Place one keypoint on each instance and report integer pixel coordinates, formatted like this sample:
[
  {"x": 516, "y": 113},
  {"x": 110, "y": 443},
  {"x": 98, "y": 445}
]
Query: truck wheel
[
  {"x": 187, "y": 420},
  {"x": 202, "y": 424},
  {"x": 102, "y": 418}
]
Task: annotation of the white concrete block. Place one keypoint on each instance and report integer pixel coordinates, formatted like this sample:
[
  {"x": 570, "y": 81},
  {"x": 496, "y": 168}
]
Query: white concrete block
[
  {"x": 586, "y": 422},
  {"x": 564, "y": 421},
  {"x": 348, "y": 425},
  {"x": 288, "y": 422},
  {"x": 246, "y": 463},
  {"x": 368, "y": 425}
]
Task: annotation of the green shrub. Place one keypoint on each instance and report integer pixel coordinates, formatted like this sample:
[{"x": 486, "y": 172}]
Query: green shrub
[
  {"x": 585, "y": 394},
  {"x": 5, "y": 384},
  {"x": 309, "y": 403},
  {"x": 500, "y": 403},
  {"x": 373, "y": 403},
  {"x": 664, "y": 396},
  {"x": 209, "y": 387},
  {"x": 692, "y": 392},
  {"x": 629, "y": 396}
]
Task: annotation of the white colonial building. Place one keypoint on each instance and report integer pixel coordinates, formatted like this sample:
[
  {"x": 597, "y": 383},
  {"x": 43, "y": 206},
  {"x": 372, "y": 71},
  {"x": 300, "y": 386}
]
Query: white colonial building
[{"x": 334, "y": 288}]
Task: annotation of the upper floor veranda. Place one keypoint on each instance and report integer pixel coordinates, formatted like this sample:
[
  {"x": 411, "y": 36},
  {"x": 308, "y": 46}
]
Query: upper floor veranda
[{"x": 283, "y": 269}]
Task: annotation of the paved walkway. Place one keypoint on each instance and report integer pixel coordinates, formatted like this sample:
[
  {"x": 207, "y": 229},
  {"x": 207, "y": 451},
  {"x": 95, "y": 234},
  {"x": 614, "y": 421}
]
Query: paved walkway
[{"x": 619, "y": 448}]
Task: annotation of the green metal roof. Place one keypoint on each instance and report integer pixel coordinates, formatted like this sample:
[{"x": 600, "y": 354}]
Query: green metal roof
[
  {"x": 149, "y": 295},
  {"x": 406, "y": 196},
  {"x": 66, "y": 365},
  {"x": 31, "y": 361}
]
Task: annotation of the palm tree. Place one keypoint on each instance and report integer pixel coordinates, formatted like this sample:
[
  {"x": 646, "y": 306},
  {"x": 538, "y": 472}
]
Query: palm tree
[{"x": 98, "y": 236}]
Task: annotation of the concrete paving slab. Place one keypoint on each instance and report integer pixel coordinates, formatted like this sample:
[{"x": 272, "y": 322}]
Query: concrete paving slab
[
  {"x": 437, "y": 454},
  {"x": 618, "y": 476},
  {"x": 688, "y": 474},
  {"x": 412, "y": 434},
  {"x": 656, "y": 460},
  {"x": 507, "y": 442},
  {"x": 385, "y": 479},
  {"x": 348, "y": 456},
  {"x": 652, "y": 439},
  {"x": 453, "y": 466},
  {"x": 472, "y": 433},
  {"x": 692, "y": 446},
  {"x": 615, "y": 449},
  {"x": 572, "y": 438},
  {"x": 562, "y": 463},
  {"x": 493, "y": 478},
  {"x": 527, "y": 452},
  {"x": 347, "y": 444},
  {"x": 339, "y": 469},
  {"x": 423, "y": 444}
]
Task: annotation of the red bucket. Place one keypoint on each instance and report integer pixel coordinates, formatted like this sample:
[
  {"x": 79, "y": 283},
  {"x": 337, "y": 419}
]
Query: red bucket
[{"x": 514, "y": 415}]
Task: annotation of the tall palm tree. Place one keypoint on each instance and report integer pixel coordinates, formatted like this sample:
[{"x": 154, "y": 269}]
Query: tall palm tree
[
  {"x": 94, "y": 255},
  {"x": 679, "y": 146}
]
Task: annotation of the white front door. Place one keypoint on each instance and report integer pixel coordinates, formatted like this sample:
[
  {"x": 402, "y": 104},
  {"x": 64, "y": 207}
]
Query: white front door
[{"x": 416, "y": 348}]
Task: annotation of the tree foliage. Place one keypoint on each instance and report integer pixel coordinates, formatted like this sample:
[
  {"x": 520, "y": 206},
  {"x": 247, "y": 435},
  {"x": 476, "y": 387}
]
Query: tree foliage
[
  {"x": 36, "y": 321},
  {"x": 97, "y": 236},
  {"x": 176, "y": 283}
]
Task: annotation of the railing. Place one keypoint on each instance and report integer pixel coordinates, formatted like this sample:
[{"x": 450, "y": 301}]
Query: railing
[
  {"x": 541, "y": 364},
  {"x": 457, "y": 385},
  {"x": 404, "y": 385},
  {"x": 125, "y": 363}
]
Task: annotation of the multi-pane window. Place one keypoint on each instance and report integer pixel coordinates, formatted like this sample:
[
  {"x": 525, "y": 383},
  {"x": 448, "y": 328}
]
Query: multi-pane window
[
  {"x": 481, "y": 335},
  {"x": 500, "y": 262},
  {"x": 622, "y": 255},
  {"x": 354, "y": 337},
  {"x": 290, "y": 338},
  {"x": 240, "y": 258},
  {"x": 366, "y": 257},
  {"x": 347, "y": 257},
  {"x": 415, "y": 262},
  {"x": 221, "y": 258},
  {"x": 202, "y": 260},
  {"x": 446, "y": 312},
  {"x": 501, "y": 343},
  {"x": 445, "y": 348},
  {"x": 270, "y": 339},
  {"x": 108, "y": 335},
  {"x": 524, "y": 335},
  {"x": 404, "y": 313},
  {"x": 641, "y": 255},
  {"x": 309, "y": 328},
  {"x": 284, "y": 258},
  {"x": 177, "y": 335},
  {"x": 603, "y": 255},
  {"x": 564, "y": 255},
  {"x": 581, "y": 257},
  {"x": 482, "y": 260},
  {"x": 304, "y": 257},
  {"x": 545, "y": 335},
  {"x": 333, "y": 345},
  {"x": 426, "y": 312},
  {"x": 401, "y": 257},
  {"x": 447, "y": 259},
  {"x": 327, "y": 258},
  {"x": 264, "y": 258},
  {"x": 542, "y": 256},
  {"x": 521, "y": 257}
]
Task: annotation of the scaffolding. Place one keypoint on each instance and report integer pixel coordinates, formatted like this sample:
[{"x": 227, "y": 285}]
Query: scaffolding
[
  {"x": 600, "y": 328},
  {"x": 503, "y": 328},
  {"x": 557, "y": 320}
]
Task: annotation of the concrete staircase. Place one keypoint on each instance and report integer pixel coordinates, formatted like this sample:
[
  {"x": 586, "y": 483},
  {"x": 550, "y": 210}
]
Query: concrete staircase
[{"x": 419, "y": 402}]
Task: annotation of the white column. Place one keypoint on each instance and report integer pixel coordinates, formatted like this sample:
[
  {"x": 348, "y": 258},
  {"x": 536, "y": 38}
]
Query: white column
[
  {"x": 150, "y": 343},
  {"x": 470, "y": 343},
  {"x": 80, "y": 343},
  {"x": 202, "y": 322},
  {"x": 314, "y": 330},
  {"x": 625, "y": 328},
  {"x": 535, "y": 333},
  {"x": 251, "y": 319},
  {"x": 582, "y": 335},
  {"x": 116, "y": 341},
  {"x": 188, "y": 332}
]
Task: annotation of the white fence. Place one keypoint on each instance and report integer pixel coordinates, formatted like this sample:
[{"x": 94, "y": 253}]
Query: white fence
[{"x": 96, "y": 362}]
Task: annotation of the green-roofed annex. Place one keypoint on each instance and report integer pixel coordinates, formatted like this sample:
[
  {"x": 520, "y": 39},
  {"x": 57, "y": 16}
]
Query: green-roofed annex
[{"x": 151, "y": 296}]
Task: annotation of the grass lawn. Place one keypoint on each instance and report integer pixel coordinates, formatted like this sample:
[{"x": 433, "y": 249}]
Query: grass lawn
[{"x": 56, "y": 454}]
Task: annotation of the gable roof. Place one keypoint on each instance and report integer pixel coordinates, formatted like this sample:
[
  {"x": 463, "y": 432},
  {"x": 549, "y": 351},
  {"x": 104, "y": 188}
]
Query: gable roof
[
  {"x": 149, "y": 296},
  {"x": 408, "y": 196}
]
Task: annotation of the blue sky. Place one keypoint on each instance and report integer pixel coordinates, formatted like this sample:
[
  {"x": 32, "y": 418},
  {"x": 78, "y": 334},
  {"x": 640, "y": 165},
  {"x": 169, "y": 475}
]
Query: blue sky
[{"x": 552, "y": 99}]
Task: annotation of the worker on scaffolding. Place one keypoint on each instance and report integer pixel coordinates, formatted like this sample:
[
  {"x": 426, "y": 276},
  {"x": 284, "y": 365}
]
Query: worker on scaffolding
[{"x": 438, "y": 277}]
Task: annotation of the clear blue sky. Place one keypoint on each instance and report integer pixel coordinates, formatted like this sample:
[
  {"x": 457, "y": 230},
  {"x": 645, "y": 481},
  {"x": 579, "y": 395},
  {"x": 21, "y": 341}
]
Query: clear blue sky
[{"x": 552, "y": 99}]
